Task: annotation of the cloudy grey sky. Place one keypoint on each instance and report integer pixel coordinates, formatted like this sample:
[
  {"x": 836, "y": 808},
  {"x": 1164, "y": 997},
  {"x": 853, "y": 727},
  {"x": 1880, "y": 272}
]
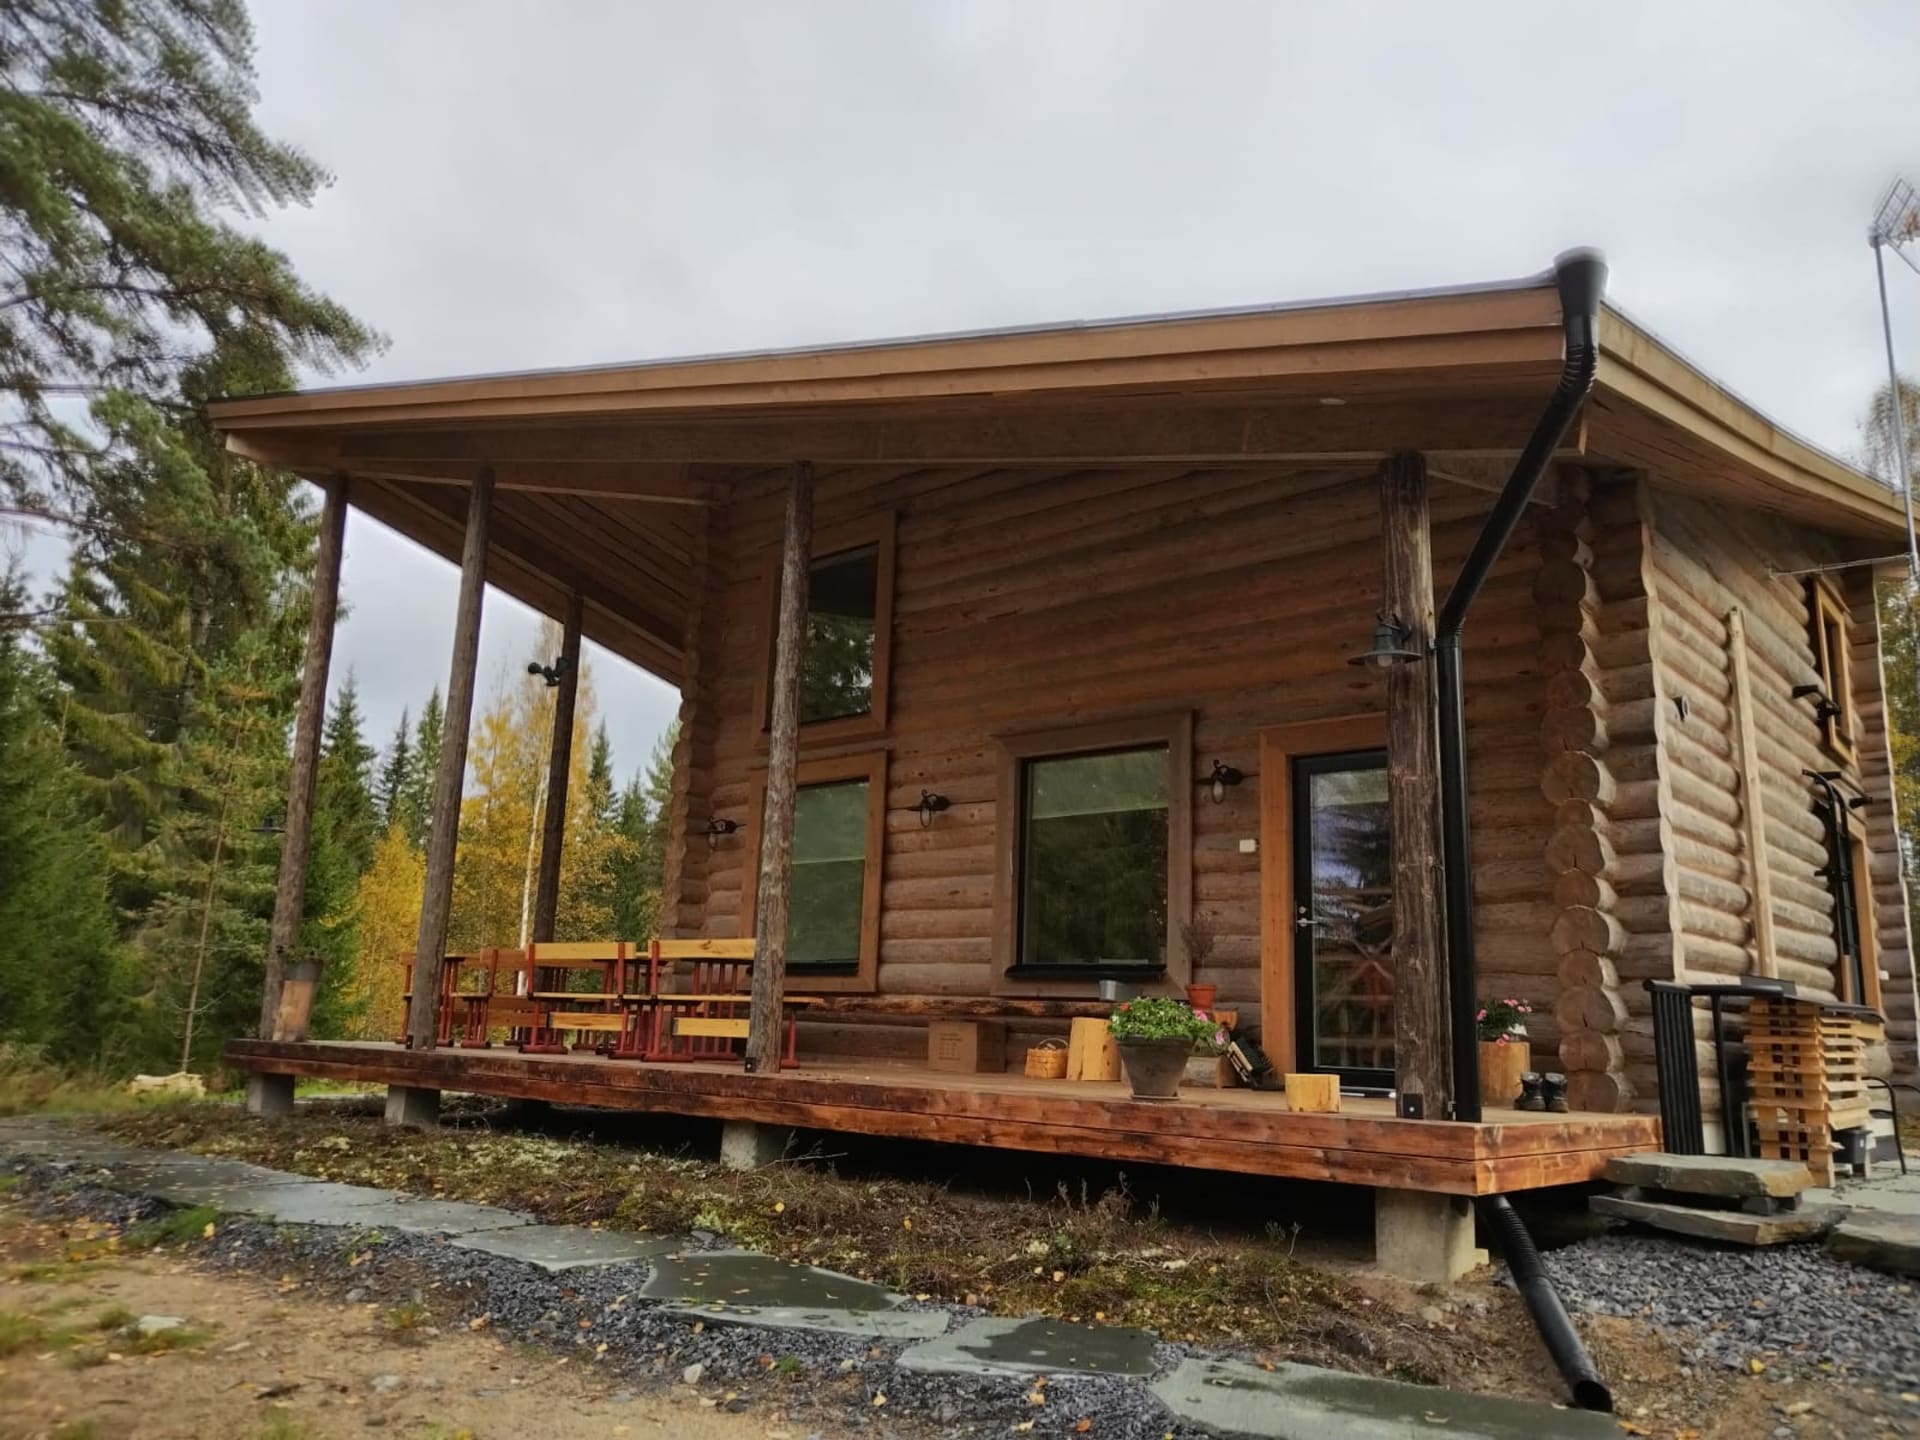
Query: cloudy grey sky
[{"x": 525, "y": 185}]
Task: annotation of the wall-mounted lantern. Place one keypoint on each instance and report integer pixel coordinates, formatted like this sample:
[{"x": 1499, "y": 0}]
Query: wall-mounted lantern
[
  {"x": 931, "y": 805},
  {"x": 1220, "y": 780},
  {"x": 1392, "y": 645},
  {"x": 716, "y": 827},
  {"x": 553, "y": 674}
]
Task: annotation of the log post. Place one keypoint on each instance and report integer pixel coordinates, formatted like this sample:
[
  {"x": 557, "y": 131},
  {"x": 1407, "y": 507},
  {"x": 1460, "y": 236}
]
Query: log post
[
  {"x": 1420, "y": 1032},
  {"x": 290, "y": 895},
  {"x": 553, "y": 828},
  {"x": 444, "y": 820},
  {"x": 783, "y": 745}
]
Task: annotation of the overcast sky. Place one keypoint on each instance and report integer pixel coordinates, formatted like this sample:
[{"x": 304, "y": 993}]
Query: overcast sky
[{"x": 526, "y": 185}]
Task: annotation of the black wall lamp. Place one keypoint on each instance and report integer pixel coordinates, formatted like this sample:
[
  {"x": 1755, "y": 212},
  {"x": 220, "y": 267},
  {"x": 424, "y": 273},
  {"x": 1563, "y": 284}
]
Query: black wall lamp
[
  {"x": 1825, "y": 707},
  {"x": 931, "y": 805},
  {"x": 1392, "y": 645},
  {"x": 553, "y": 674},
  {"x": 716, "y": 827},
  {"x": 1223, "y": 776}
]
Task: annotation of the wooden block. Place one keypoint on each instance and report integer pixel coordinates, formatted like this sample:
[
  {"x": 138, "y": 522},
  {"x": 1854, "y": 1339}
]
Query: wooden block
[
  {"x": 966, "y": 1047},
  {"x": 1091, "y": 1053},
  {"x": 1313, "y": 1094},
  {"x": 1209, "y": 1072}
]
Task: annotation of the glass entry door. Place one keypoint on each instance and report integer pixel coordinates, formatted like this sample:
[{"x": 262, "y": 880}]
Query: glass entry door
[{"x": 1343, "y": 916}]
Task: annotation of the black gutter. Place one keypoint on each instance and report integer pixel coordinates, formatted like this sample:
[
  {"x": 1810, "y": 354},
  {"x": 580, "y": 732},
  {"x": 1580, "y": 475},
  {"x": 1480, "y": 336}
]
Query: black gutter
[
  {"x": 1581, "y": 278},
  {"x": 1543, "y": 1303}
]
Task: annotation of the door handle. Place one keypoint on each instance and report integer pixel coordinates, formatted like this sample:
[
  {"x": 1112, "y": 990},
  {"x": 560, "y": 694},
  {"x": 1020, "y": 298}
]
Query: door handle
[{"x": 1304, "y": 921}]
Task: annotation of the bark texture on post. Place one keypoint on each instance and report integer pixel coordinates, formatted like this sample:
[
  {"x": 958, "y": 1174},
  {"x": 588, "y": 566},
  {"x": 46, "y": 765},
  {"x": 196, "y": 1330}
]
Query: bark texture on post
[
  {"x": 290, "y": 895},
  {"x": 1420, "y": 1031},
  {"x": 553, "y": 828},
  {"x": 783, "y": 745},
  {"x": 444, "y": 819}
]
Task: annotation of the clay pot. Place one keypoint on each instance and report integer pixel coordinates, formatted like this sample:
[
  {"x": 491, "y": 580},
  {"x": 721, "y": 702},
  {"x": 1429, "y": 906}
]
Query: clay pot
[
  {"x": 1200, "y": 997},
  {"x": 1154, "y": 1067}
]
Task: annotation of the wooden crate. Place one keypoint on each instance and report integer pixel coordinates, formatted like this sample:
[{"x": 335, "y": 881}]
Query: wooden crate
[{"x": 966, "y": 1047}]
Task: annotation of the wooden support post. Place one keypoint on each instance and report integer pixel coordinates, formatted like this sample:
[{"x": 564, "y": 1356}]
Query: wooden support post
[
  {"x": 290, "y": 896},
  {"x": 1753, "y": 814},
  {"x": 1420, "y": 1031},
  {"x": 783, "y": 745},
  {"x": 437, "y": 897},
  {"x": 553, "y": 829}
]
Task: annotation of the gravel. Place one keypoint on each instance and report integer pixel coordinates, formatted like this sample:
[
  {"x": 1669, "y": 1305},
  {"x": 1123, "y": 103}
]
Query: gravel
[{"x": 1790, "y": 1307}]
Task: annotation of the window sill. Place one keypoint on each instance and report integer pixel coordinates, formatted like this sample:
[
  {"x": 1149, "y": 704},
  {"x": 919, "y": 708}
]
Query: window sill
[{"x": 1086, "y": 972}]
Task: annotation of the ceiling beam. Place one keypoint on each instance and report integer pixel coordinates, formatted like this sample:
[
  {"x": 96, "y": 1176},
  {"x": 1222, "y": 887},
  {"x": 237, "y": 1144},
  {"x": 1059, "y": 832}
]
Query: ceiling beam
[{"x": 1358, "y": 433}]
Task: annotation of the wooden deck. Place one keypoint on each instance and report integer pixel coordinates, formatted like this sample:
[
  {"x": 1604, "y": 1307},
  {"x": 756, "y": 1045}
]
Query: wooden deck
[{"x": 1250, "y": 1132}]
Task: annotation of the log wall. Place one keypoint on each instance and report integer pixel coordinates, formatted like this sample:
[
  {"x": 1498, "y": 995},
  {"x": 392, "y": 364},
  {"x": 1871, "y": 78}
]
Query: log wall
[{"x": 1027, "y": 601}]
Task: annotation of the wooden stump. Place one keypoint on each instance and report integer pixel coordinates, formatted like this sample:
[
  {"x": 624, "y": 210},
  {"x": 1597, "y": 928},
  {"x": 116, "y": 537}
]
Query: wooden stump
[
  {"x": 1313, "y": 1094},
  {"x": 1500, "y": 1069},
  {"x": 1091, "y": 1053}
]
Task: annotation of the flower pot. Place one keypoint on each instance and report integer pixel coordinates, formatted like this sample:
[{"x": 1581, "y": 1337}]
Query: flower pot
[
  {"x": 1501, "y": 1065},
  {"x": 1200, "y": 997},
  {"x": 1154, "y": 1067}
]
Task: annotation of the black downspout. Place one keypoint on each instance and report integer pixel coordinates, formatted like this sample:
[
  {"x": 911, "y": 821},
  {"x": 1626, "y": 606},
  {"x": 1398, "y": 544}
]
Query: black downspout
[{"x": 1581, "y": 278}]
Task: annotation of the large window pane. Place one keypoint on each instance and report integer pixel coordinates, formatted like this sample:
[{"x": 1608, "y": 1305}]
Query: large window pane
[
  {"x": 1093, "y": 853},
  {"x": 836, "y": 671},
  {"x": 829, "y": 874}
]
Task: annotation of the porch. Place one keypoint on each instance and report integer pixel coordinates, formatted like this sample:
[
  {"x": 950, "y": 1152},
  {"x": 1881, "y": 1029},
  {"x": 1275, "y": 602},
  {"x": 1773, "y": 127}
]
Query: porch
[{"x": 1242, "y": 1131}]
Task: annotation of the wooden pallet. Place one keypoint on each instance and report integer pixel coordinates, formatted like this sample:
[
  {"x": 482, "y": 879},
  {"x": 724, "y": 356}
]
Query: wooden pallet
[{"x": 1806, "y": 1073}]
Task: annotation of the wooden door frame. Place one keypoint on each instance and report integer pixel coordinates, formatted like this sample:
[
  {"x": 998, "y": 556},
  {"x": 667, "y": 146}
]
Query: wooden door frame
[{"x": 1280, "y": 746}]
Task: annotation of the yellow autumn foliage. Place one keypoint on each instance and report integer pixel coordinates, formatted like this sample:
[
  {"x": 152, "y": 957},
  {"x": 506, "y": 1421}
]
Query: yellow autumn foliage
[{"x": 388, "y": 902}]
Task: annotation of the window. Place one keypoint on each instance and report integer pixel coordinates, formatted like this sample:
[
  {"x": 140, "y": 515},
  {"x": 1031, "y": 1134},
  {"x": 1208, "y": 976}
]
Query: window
[
  {"x": 833, "y": 893},
  {"x": 1094, "y": 832},
  {"x": 1839, "y": 727},
  {"x": 829, "y": 873},
  {"x": 1093, "y": 859},
  {"x": 848, "y": 638}
]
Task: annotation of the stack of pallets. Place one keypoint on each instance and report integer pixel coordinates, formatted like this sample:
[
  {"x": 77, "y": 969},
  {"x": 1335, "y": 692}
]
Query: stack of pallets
[{"x": 1807, "y": 1079}]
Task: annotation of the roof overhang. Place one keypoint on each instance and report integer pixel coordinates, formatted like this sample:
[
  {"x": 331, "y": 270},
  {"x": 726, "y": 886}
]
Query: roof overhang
[{"x": 1459, "y": 374}]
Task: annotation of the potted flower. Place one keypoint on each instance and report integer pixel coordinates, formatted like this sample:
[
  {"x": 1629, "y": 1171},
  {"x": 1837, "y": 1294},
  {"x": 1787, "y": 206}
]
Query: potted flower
[
  {"x": 1155, "y": 1036},
  {"x": 1505, "y": 1054}
]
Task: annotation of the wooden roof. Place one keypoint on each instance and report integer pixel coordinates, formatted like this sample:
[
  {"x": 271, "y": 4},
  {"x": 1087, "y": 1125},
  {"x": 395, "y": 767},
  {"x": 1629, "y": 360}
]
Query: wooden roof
[{"x": 600, "y": 472}]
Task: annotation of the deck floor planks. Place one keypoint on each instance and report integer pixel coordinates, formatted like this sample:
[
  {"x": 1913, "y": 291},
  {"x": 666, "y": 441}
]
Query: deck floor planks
[{"x": 1244, "y": 1131}]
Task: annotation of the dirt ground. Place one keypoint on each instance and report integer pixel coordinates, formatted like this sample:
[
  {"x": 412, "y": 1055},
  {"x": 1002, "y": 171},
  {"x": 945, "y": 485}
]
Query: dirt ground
[{"x": 255, "y": 1361}]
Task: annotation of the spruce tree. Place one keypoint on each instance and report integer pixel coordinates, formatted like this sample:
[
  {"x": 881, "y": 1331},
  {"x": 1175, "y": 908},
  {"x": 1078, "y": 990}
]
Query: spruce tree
[
  {"x": 393, "y": 775},
  {"x": 340, "y": 852},
  {"x": 416, "y": 805}
]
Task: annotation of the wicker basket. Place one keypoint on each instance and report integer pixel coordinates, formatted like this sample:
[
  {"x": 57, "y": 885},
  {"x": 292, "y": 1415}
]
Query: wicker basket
[{"x": 1047, "y": 1060}]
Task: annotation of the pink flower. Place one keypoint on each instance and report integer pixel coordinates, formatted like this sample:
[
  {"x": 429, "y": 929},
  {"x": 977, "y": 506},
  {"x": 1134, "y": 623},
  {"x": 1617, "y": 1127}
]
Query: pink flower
[
  {"x": 1482, "y": 1015},
  {"x": 1501, "y": 1041}
]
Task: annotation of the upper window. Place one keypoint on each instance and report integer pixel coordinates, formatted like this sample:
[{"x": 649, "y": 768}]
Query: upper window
[
  {"x": 848, "y": 636},
  {"x": 1839, "y": 725},
  {"x": 833, "y": 887},
  {"x": 829, "y": 874},
  {"x": 1093, "y": 859},
  {"x": 1094, "y": 832},
  {"x": 843, "y": 603}
]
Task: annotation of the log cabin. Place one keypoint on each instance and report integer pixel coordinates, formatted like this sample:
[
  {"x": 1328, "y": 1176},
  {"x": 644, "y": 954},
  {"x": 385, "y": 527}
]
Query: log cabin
[{"x": 1019, "y": 666}]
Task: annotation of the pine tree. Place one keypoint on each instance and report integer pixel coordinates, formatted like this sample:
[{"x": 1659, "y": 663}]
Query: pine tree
[
  {"x": 341, "y": 851},
  {"x": 393, "y": 775},
  {"x": 638, "y": 868}
]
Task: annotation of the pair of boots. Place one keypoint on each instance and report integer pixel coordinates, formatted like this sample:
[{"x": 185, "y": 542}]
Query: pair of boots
[{"x": 1540, "y": 1091}]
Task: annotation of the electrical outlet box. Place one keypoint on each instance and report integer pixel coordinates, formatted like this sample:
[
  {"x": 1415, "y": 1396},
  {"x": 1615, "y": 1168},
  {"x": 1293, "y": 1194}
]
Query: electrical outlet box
[{"x": 1249, "y": 847}]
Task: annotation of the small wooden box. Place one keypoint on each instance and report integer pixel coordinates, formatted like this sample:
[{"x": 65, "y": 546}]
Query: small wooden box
[{"x": 966, "y": 1047}]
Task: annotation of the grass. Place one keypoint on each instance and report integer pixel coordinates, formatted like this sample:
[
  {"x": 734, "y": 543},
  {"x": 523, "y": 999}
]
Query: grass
[
  {"x": 176, "y": 1227},
  {"x": 163, "y": 1342},
  {"x": 406, "y": 1320},
  {"x": 281, "y": 1425},
  {"x": 78, "y": 1430},
  {"x": 22, "y": 1331},
  {"x": 29, "y": 1085}
]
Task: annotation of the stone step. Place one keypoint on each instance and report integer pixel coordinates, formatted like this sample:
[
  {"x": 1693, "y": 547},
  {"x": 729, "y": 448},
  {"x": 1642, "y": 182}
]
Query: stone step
[
  {"x": 1879, "y": 1239},
  {"x": 1732, "y": 1227},
  {"x": 1724, "y": 1177}
]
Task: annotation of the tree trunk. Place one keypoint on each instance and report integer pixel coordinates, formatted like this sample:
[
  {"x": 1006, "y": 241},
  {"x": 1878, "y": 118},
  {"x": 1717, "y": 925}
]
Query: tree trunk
[
  {"x": 444, "y": 822},
  {"x": 290, "y": 895},
  {"x": 783, "y": 744},
  {"x": 1413, "y": 796},
  {"x": 553, "y": 830}
]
